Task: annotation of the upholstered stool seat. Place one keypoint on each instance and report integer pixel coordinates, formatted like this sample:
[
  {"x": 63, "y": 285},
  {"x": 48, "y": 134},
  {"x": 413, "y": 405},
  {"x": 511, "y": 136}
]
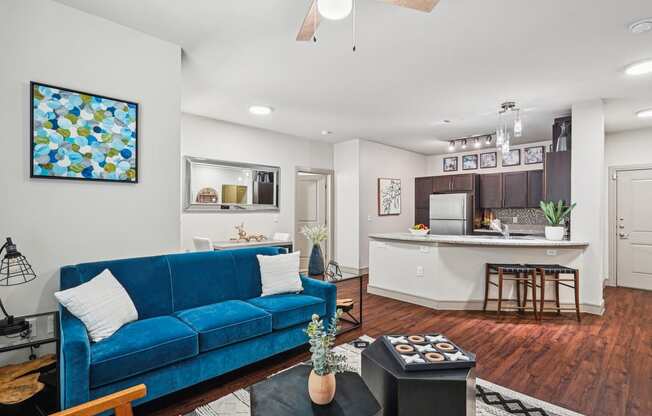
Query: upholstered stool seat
[{"x": 520, "y": 274}]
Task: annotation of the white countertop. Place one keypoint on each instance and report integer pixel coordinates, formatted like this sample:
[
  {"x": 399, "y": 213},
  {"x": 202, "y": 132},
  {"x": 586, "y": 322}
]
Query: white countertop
[{"x": 476, "y": 240}]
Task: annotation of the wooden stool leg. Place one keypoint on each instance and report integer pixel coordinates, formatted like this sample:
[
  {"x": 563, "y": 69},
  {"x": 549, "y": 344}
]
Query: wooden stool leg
[
  {"x": 542, "y": 275},
  {"x": 486, "y": 287},
  {"x": 577, "y": 295},
  {"x": 557, "y": 293},
  {"x": 518, "y": 292},
  {"x": 500, "y": 291},
  {"x": 533, "y": 275}
]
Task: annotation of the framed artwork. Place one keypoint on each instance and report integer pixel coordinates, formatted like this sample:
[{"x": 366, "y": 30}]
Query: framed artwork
[
  {"x": 469, "y": 162},
  {"x": 532, "y": 155},
  {"x": 389, "y": 196},
  {"x": 512, "y": 158},
  {"x": 82, "y": 136},
  {"x": 450, "y": 164},
  {"x": 488, "y": 160}
]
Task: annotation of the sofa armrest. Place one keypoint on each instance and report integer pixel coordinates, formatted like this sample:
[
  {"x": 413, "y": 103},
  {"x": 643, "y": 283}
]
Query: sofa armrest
[
  {"x": 321, "y": 289},
  {"x": 75, "y": 360}
]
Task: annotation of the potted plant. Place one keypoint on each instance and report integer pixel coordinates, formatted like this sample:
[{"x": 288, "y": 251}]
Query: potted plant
[
  {"x": 325, "y": 363},
  {"x": 556, "y": 215},
  {"x": 316, "y": 234}
]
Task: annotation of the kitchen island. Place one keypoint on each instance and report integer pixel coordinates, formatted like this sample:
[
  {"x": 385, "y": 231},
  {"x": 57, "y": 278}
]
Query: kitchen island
[{"x": 447, "y": 271}]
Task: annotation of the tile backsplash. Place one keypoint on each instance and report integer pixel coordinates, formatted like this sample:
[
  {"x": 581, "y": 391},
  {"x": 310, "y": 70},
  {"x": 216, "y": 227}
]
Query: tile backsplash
[{"x": 525, "y": 216}]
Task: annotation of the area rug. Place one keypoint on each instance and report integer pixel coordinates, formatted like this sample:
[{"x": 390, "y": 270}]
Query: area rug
[{"x": 491, "y": 399}]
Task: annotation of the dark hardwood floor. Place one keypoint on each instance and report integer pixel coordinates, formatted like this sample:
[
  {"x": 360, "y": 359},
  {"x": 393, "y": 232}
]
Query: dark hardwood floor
[{"x": 601, "y": 366}]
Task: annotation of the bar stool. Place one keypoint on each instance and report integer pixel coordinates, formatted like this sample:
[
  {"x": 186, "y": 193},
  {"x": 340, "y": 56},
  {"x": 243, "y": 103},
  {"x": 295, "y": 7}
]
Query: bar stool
[
  {"x": 550, "y": 273},
  {"x": 519, "y": 273}
]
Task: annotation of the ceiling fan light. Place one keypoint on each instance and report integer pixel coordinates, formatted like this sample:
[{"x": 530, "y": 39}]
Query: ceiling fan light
[{"x": 334, "y": 9}]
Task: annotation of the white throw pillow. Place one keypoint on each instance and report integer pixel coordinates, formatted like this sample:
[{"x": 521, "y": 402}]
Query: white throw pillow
[
  {"x": 280, "y": 273},
  {"x": 102, "y": 304}
]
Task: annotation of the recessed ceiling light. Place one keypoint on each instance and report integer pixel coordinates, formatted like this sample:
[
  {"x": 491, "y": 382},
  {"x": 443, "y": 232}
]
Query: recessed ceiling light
[
  {"x": 647, "y": 113},
  {"x": 326, "y": 132},
  {"x": 641, "y": 26},
  {"x": 639, "y": 68},
  {"x": 260, "y": 110}
]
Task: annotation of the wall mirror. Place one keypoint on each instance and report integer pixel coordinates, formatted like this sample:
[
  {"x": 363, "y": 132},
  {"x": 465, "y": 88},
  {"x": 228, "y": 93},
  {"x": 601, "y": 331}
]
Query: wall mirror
[{"x": 216, "y": 185}]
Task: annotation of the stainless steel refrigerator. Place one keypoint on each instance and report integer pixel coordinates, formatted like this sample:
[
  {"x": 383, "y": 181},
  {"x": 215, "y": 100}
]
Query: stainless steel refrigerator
[{"x": 451, "y": 214}]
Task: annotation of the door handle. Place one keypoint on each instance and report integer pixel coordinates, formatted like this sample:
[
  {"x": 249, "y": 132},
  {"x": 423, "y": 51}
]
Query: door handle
[{"x": 623, "y": 235}]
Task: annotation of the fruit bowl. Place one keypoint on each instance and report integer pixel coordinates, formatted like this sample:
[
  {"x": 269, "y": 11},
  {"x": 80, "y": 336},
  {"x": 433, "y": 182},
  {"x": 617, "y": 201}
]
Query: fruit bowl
[{"x": 419, "y": 232}]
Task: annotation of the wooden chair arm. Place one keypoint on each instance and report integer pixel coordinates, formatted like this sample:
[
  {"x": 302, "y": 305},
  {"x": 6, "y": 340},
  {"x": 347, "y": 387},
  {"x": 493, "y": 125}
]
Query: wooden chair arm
[{"x": 120, "y": 402}]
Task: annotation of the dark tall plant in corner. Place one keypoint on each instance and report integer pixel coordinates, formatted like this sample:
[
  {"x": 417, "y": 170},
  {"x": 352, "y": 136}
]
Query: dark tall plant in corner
[{"x": 556, "y": 215}]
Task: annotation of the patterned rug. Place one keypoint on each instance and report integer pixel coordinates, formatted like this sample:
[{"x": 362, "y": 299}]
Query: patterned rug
[{"x": 491, "y": 399}]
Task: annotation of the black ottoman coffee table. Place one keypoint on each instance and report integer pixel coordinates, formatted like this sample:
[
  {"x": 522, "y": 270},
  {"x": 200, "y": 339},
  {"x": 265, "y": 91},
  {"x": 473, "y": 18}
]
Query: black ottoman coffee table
[
  {"x": 415, "y": 393},
  {"x": 287, "y": 394}
]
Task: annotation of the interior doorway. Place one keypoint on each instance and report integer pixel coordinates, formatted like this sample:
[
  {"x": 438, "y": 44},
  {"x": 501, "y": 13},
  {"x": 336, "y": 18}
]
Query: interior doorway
[
  {"x": 313, "y": 205},
  {"x": 631, "y": 227}
]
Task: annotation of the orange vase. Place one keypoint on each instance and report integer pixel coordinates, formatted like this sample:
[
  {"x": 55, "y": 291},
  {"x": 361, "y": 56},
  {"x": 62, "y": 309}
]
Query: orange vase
[{"x": 321, "y": 388}]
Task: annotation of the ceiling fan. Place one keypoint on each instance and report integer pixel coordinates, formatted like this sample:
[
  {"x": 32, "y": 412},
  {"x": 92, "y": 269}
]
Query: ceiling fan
[{"x": 340, "y": 9}]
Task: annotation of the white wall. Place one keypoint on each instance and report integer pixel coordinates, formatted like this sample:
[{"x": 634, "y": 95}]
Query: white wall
[
  {"x": 436, "y": 162},
  {"x": 347, "y": 203},
  {"x": 56, "y": 222},
  {"x": 380, "y": 161},
  {"x": 588, "y": 185},
  {"x": 214, "y": 139}
]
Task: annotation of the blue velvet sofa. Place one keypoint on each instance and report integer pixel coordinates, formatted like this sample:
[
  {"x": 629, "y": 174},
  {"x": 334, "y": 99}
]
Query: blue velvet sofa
[{"x": 200, "y": 315}]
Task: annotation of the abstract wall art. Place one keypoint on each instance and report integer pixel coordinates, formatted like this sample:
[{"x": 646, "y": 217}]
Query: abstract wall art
[
  {"x": 78, "y": 135},
  {"x": 389, "y": 196}
]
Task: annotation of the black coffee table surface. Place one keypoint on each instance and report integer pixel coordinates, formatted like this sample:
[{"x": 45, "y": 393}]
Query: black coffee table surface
[{"x": 287, "y": 394}]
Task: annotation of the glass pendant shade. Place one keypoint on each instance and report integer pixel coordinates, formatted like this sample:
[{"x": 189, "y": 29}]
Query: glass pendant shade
[
  {"x": 518, "y": 126},
  {"x": 334, "y": 9}
]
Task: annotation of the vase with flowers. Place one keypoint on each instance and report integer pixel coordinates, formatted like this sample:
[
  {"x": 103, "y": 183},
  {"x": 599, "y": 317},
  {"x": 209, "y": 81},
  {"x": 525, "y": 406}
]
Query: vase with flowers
[
  {"x": 325, "y": 362},
  {"x": 316, "y": 234}
]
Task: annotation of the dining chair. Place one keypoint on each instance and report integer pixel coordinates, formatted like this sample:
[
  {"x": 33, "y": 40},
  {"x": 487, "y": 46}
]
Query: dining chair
[
  {"x": 202, "y": 244},
  {"x": 119, "y": 402}
]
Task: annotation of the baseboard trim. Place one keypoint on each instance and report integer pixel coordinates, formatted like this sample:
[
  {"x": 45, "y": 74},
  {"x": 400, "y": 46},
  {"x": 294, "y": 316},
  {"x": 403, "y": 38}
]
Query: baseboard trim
[{"x": 470, "y": 305}]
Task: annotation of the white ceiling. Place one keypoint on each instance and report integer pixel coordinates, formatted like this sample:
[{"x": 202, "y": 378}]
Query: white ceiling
[{"x": 410, "y": 70}]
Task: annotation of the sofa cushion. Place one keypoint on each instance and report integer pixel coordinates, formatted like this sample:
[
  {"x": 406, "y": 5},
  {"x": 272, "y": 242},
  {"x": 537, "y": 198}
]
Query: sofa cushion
[
  {"x": 204, "y": 278},
  {"x": 141, "y": 346},
  {"x": 290, "y": 309},
  {"x": 226, "y": 323}
]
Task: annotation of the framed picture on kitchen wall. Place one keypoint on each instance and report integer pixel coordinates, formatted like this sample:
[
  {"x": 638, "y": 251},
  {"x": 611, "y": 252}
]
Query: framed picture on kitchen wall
[
  {"x": 389, "y": 196},
  {"x": 488, "y": 160},
  {"x": 469, "y": 162},
  {"x": 532, "y": 155},
  {"x": 82, "y": 136},
  {"x": 450, "y": 164},
  {"x": 512, "y": 158}
]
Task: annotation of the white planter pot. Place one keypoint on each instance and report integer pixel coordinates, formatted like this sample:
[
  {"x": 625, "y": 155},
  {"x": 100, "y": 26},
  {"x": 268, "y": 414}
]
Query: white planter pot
[{"x": 555, "y": 233}]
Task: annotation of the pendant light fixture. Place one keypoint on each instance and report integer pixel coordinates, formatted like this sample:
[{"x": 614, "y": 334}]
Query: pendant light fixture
[{"x": 509, "y": 125}]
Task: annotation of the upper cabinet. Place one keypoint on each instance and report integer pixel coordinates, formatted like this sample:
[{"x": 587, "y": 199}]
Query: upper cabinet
[
  {"x": 441, "y": 184},
  {"x": 491, "y": 190},
  {"x": 534, "y": 188},
  {"x": 422, "y": 191},
  {"x": 558, "y": 176},
  {"x": 462, "y": 183},
  {"x": 515, "y": 190}
]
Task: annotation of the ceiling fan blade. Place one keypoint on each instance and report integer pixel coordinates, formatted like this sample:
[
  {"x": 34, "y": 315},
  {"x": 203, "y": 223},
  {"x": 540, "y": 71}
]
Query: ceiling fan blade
[
  {"x": 310, "y": 23},
  {"x": 421, "y": 5}
]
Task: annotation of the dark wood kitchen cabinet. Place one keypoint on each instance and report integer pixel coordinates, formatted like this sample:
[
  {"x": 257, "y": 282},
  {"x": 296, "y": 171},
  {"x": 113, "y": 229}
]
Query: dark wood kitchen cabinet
[
  {"x": 462, "y": 183},
  {"x": 491, "y": 190},
  {"x": 441, "y": 184},
  {"x": 422, "y": 216},
  {"x": 557, "y": 170},
  {"x": 515, "y": 190},
  {"x": 422, "y": 191},
  {"x": 534, "y": 188}
]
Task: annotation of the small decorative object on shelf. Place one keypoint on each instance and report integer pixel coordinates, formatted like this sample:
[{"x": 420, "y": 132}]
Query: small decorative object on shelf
[
  {"x": 556, "y": 215},
  {"x": 333, "y": 271},
  {"x": 244, "y": 237},
  {"x": 562, "y": 140},
  {"x": 419, "y": 229},
  {"x": 423, "y": 352},
  {"x": 14, "y": 270},
  {"x": 316, "y": 234},
  {"x": 325, "y": 362}
]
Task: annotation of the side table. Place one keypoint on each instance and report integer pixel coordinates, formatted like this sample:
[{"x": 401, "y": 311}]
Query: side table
[
  {"x": 44, "y": 329},
  {"x": 355, "y": 322}
]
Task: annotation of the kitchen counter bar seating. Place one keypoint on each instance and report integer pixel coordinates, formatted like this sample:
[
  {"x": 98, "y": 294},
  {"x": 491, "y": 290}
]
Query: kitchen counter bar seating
[
  {"x": 552, "y": 273},
  {"x": 518, "y": 273}
]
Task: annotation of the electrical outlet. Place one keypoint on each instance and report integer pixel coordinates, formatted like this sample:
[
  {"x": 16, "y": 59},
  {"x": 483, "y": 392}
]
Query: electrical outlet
[
  {"x": 514, "y": 220},
  {"x": 275, "y": 218},
  {"x": 32, "y": 326},
  {"x": 369, "y": 218},
  {"x": 424, "y": 249},
  {"x": 419, "y": 271},
  {"x": 551, "y": 252}
]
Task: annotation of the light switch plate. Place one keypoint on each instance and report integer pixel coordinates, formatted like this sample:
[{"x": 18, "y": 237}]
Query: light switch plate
[
  {"x": 419, "y": 271},
  {"x": 424, "y": 249},
  {"x": 515, "y": 220}
]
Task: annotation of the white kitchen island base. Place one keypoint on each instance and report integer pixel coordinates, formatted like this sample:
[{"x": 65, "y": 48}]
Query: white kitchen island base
[{"x": 447, "y": 273}]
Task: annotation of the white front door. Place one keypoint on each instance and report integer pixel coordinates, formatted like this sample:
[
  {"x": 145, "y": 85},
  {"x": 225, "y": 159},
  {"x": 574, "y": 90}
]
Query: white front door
[
  {"x": 311, "y": 208},
  {"x": 634, "y": 229}
]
